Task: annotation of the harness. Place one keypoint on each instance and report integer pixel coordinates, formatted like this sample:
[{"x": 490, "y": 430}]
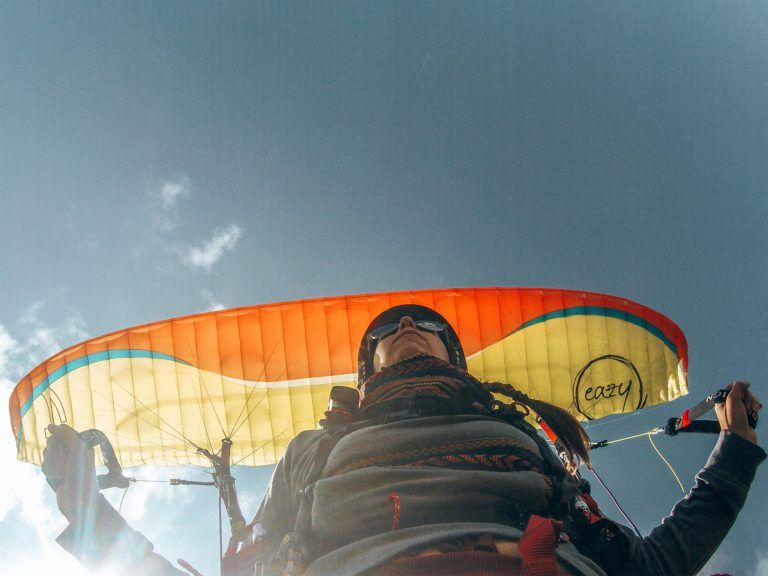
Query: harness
[
  {"x": 569, "y": 515},
  {"x": 295, "y": 552}
]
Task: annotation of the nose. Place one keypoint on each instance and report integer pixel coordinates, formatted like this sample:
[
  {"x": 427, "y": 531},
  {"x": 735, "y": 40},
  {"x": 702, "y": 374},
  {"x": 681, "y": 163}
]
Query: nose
[{"x": 406, "y": 322}]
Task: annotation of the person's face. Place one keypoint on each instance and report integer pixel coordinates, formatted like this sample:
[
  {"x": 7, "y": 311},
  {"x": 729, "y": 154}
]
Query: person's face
[{"x": 407, "y": 341}]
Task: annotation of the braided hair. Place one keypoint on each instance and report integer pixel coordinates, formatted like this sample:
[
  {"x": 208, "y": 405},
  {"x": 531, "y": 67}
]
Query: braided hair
[{"x": 568, "y": 430}]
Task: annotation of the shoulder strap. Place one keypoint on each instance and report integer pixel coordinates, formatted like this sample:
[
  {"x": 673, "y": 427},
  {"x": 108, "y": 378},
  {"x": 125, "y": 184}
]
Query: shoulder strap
[{"x": 295, "y": 550}]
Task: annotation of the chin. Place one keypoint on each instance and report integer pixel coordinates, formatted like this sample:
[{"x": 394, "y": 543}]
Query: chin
[{"x": 409, "y": 353}]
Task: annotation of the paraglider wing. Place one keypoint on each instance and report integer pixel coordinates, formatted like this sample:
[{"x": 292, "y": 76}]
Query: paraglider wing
[{"x": 261, "y": 374}]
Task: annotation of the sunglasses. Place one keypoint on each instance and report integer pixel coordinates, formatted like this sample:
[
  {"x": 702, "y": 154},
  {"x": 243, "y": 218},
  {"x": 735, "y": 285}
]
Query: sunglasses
[{"x": 388, "y": 329}]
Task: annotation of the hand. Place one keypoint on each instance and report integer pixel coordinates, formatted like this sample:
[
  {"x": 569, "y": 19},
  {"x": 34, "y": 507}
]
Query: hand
[
  {"x": 68, "y": 465},
  {"x": 732, "y": 414}
]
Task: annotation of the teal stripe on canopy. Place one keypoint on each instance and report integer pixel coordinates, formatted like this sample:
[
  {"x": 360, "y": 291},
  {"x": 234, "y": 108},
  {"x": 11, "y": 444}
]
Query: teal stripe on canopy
[
  {"x": 87, "y": 360},
  {"x": 602, "y": 311}
]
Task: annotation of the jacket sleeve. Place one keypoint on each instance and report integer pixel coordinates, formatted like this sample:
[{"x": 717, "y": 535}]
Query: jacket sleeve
[
  {"x": 688, "y": 537},
  {"x": 104, "y": 541},
  {"x": 278, "y": 510}
]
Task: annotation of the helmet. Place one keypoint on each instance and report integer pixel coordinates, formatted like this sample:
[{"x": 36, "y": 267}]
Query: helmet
[{"x": 393, "y": 315}]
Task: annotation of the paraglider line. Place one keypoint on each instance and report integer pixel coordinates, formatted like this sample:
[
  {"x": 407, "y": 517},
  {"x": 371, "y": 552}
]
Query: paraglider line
[
  {"x": 202, "y": 415},
  {"x": 199, "y": 401},
  {"x": 620, "y": 417},
  {"x": 48, "y": 405},
  {"x": 287, "y": 429},
  {"x": 682, "y": 488},
  {"x": 221, "y": 539},
  {"x": 152, "y": 481},
  {"x": 649, "y": 433},
  {"x": 62, "y": 419},
  {"x": 251, "y": 411},
  {"x": 175, "y": 433},
  {"x": 239, "y": 424},
  {"x": 615, "y": 501},
  {"x": 120, "y": 508},
  {"x": 178, "y": 435},
  {"x": 157, "y": 445},
  {"x": 221, "y": 426}
]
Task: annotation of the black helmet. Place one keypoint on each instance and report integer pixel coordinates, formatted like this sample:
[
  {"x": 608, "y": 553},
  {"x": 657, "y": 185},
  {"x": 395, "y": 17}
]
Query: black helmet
[{"x": 393, "y": 316}]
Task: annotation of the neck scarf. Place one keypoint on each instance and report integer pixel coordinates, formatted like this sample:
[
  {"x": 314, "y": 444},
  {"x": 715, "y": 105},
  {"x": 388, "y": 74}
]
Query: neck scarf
[{"x": 424, "y": 383}]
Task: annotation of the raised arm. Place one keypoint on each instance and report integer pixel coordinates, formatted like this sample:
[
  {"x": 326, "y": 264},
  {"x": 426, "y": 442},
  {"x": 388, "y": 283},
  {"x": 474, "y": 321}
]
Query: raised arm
[
  {"x": 686, "y": 539},
  {"x": 97, "y": 535}
]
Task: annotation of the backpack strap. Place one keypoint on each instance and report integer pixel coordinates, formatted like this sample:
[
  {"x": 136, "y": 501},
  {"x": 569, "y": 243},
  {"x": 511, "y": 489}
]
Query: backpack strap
[
  {"x": 538, "y": 544},
  {"x": 295, "y": 550}
]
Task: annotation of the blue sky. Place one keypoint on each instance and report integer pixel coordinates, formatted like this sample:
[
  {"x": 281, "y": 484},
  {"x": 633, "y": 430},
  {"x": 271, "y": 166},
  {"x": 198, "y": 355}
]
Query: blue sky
[{"x": 159, "y": 159}]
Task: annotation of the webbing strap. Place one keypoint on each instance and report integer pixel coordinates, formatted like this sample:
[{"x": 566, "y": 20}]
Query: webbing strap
[
  {"x": 537, "y": 546},
  {"x": 295, "y": 549}
]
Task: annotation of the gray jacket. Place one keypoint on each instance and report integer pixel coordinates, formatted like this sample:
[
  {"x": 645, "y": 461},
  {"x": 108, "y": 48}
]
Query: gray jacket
[{"x": 351, "y": 522}]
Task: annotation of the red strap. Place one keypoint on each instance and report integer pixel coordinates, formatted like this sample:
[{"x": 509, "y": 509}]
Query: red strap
[
  {"x": 548, "y": 431},
  {"x": 188, "y": 567},
  {"x": 593, "y": 507},
  {"x": 235, "y": 562},
  {"x": 537, "y": 546},
  {"x": 394, "y": 507}
]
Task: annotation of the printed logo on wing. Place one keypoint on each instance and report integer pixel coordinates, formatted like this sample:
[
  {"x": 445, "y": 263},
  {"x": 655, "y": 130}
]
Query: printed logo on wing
[{"x": 609, "y": 379}]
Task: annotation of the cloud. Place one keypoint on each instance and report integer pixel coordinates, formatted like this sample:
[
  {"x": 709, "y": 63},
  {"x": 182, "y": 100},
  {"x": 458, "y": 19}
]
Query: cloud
[
  {"x": 724, "y": 562},
  {"x": 166, "y": 219},
  {"x": 166, "y": 203},
  {"x": 27, "y": 505},
  {"x": 172, "y": 192},
  {"x": 210, "y": 252},
  {"x": 8, "y": 349},
  {"x": 43, "y": 340},
  {"x": 761, "y": 563},
  {"x": 213, "y": 303},
  {"x": 22, "y": 487},
  {"x": 152, "y": 488}
]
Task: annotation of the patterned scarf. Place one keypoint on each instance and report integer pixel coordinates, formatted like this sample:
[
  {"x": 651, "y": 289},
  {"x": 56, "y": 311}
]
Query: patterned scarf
[
  {"x": 426, "y": 386},
  {"x": 424, "y": 383}
]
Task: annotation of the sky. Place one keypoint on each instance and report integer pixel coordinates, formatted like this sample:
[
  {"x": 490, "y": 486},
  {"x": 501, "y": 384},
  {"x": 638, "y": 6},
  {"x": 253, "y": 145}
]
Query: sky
[{"x": 162, "y": 159}]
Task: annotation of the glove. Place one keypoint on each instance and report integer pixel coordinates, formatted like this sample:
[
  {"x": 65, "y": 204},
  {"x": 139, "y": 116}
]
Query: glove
[
  {"x": 733, "y": 413},
  {"x": 68, "y": 465}
]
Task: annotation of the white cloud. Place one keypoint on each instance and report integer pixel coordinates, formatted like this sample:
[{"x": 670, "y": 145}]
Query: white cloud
[
  {"x": 48, "y": 558},
  {"x": 8, "y": 349},
  {"x": 23, "y": 490},
  {"x": 249, "y": 500},
  {"x": 43, "y": 340},
  {"x": 723, "y": 562},
  {"x": 151, "y": 489},
  {"x": 26, "y": 501},
  {"x": 213, "y": 303},
  {"x": 205, "y": 256},
  {"x": 761, "y": 563},
  {"x": 22, "y": 487},
  {"x": 172, "y": 192},
  {"x": 167, "y": 198}
]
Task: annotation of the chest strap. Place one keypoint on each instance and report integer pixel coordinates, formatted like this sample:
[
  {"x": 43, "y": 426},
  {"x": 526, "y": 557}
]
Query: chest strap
[{"x": 538, "y": 544}]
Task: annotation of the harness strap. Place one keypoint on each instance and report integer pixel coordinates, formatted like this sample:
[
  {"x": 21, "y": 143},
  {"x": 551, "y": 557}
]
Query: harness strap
[
  {"x": 537, "y": 546},
  {"x": 296, "y": 549}
]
